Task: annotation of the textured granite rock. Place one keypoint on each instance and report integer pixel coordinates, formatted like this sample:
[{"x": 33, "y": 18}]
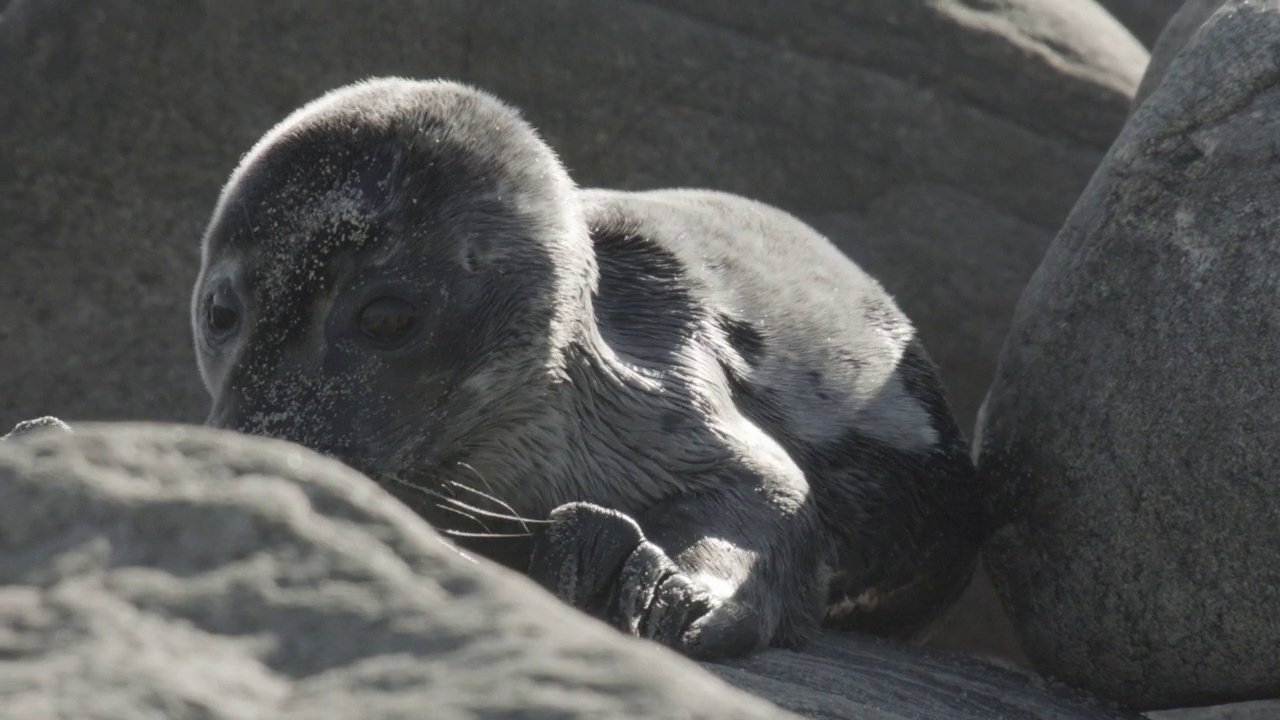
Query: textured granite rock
[
  {"x": 840, "y": 677},
  {"x": 1260, "y": 710},
  {"x": 1176, "y": 34},
  {"x": 1130, "y": 434},
  {"x": 184, "y": 573},
  {"x": 40, "y": 424},
  {"x": 181, "y": 572}
]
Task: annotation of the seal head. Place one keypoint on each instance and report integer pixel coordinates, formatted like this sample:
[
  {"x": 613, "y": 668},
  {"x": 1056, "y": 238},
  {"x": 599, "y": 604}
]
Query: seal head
[{"x": 390, "y": 274}]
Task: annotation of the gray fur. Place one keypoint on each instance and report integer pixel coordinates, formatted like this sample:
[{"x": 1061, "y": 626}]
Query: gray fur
[{"x": 732, "y": 430}]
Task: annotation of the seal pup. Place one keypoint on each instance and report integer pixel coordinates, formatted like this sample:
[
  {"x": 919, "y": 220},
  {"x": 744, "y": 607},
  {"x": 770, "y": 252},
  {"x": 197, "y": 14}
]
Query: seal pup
[{"x": 729, "y": 433}]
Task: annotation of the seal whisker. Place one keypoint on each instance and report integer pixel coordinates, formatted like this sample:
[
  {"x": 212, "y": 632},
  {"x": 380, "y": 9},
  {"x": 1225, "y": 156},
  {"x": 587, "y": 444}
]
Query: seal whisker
[
  {"x": 488, "y": 513},
  {"x": 430, "y": 493},
  {"x": 492, "y": 497},
  {"x": 466, "y": 515},
  {"x": 483, "y": 536},
  {"x": 459, "y": 507}
]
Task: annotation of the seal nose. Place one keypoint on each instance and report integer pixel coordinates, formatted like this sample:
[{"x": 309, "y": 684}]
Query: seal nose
[
  {"x": 235, "y": 414},
  {"x": 251, "y": 398},
  {"x": 225, "y": 414},
  {"x": 293, "y": 414}
]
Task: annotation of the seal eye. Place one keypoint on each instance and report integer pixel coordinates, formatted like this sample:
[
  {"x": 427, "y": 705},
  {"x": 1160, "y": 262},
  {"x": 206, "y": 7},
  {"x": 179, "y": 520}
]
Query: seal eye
[
  {"x": 388, "y": 320},
  {"x": 221, "y": 314}
]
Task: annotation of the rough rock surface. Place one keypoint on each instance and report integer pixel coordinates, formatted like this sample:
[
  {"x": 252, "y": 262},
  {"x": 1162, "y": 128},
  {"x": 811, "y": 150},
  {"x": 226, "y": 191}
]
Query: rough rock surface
[
  {"x": 943, "y": 144},
  {"x": 843, "y": 677},
  {"x": 1261, "y": 710},
  {"x": 1131, "y": 430},
  {"x": 40, "y": 424},
  {"x": 184, "y": 573},
  {"x": 1144, "y": 18},
  {"x": 1176, "y": 34},
  {"x": 181, "y": 572}
]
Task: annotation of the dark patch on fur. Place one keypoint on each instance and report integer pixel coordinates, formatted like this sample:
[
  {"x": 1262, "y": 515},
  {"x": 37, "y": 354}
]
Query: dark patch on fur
[
  {"x": 743, "y": 337},
  {"x": 644, "y": 306}
]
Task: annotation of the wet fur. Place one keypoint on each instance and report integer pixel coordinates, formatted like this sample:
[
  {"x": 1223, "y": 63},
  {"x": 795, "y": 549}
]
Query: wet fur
[{"x": 704, "y": 364}]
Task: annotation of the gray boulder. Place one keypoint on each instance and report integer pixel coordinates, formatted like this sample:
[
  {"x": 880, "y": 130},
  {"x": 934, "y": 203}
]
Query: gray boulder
[
  {"x": 1130, "y": 434},
  {"x": 182, "y": 572},
  {"x": 845, "y": 677},
  {"x": 40, "y": 424},
  {"x": 1144, "y": 18},
  {"x": 942, "y": 144},
  {"x": 1260, "y": 710},
  {"x": 1179, "y": 30}
]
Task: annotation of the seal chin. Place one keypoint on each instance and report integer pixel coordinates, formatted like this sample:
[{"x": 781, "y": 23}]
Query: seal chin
[
  {"x": 347, "y": 456},
  {"x": 280, "y": 426}
]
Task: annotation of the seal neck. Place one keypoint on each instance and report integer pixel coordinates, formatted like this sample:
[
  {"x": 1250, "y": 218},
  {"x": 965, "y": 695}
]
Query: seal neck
[{"x": 618, "y": 439}]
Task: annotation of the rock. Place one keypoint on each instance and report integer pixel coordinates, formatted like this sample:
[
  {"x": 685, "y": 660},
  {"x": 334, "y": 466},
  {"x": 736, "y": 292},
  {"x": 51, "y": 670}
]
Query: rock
[
  {"x": 1144, "y": 18},
  {"x": 1262, "y": 710},
  {"x": 182, "y": 572},
  {"x": 845, "y": 676},
  {"x": 40, "y": 424},
  {"x": 1129, "y": 436},
  {"x": 1176, "y": 33},
  {"x": 942, "y": 144},
  {"x": 175, "y": 571}
]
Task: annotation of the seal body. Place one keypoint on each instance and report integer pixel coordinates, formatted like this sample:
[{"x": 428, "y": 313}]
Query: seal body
[{"x": 683, "y": 411}]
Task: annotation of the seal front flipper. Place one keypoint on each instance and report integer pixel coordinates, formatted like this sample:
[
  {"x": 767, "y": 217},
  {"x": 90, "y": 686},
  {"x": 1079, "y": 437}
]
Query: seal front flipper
[
  {"x": 749, "y": 550},
  {"x": 580, "y": 555},
  {"x": 712, "y": 574},
  {"x": 599, "y": 561},
  {"x": 656, "y": 599},
  {"x": 660, "y": 602}
]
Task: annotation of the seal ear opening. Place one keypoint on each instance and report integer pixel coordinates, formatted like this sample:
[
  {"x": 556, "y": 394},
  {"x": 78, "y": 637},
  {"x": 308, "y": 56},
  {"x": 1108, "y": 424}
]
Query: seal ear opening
[{"x": 484, "y": 250}]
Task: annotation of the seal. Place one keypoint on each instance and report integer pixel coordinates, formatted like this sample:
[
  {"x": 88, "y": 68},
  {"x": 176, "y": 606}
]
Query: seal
[{"x": 682, "y": 411}]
